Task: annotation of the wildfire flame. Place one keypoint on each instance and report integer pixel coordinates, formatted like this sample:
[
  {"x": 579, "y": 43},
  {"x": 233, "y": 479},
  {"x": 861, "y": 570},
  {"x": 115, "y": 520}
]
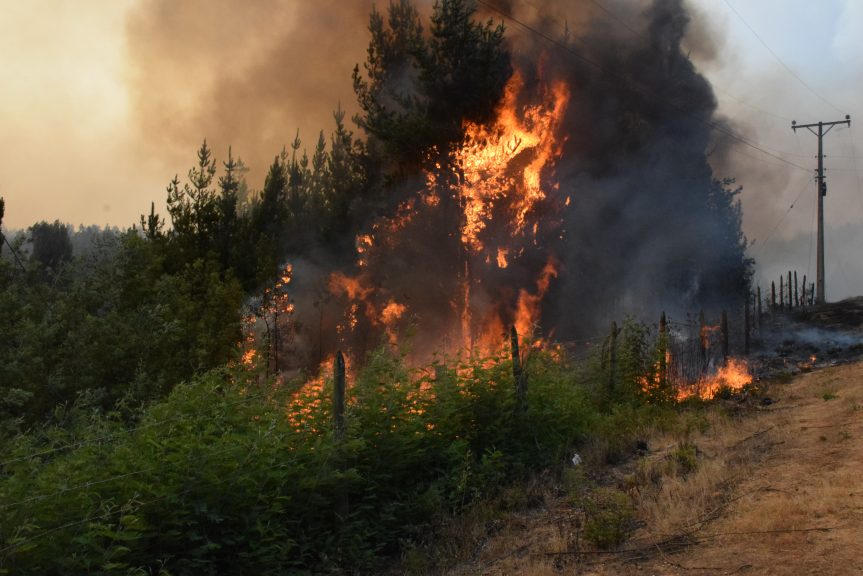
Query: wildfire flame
[
  {"x": 489, "y": 157},
  {"x": 527, "y": 311},
  {"x": 495, "y": 178},
  {"x": 735, "y": 375}
]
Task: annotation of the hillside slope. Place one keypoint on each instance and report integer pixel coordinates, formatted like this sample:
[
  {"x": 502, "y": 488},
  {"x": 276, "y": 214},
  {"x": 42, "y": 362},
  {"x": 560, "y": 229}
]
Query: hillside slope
[{"x": 778, "y": 491}]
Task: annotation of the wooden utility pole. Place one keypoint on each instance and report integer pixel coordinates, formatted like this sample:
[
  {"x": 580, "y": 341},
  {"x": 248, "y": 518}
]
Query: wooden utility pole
[{"x": 821, "y": 190}]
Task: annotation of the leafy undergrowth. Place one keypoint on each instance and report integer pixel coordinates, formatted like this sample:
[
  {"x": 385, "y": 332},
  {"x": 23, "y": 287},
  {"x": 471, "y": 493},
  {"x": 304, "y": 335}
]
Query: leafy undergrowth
[
  {"x": 232, "y": 474},
  {"x": 609, "y": 515}
]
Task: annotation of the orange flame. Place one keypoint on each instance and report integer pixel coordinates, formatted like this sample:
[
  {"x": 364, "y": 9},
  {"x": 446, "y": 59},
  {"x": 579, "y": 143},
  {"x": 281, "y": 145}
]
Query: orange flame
[
  {"x": 502, "y": 172},
  {"x": 528, "y": 308},
  {"x": 487, "y": 158},
  {"x": 502, "y": 262},
  {"x": 390, "y": 315},
  {"x": 735, "y": 375}
]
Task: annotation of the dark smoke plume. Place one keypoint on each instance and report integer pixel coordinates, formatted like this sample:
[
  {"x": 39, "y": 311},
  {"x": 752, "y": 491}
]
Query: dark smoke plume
[{"x": 648, "y": 227}]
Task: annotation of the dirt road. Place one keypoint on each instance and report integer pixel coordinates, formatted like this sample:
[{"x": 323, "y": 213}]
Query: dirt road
[
  {"x": 800, "y": 511},
  {"x": 779, "y": 491}
]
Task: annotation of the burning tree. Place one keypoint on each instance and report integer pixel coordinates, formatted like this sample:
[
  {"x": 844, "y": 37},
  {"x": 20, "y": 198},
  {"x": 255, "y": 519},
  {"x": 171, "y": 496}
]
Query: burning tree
[{"x": 510, "y": 183}]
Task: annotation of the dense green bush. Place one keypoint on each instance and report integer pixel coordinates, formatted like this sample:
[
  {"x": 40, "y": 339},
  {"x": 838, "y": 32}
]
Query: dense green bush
[
  {"x": 231, "y": 474},
  {"x": 608, "y": 517}
]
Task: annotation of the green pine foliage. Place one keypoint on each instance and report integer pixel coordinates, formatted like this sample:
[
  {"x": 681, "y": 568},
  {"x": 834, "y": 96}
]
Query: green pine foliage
[{"x": 233, "y": 474}]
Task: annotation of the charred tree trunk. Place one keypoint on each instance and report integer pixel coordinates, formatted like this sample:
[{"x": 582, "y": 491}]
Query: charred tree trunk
[
  {"x": 746, "y": 328},
  {"x": 772, "y": 296},
  {"x": 723, "y": 327}
]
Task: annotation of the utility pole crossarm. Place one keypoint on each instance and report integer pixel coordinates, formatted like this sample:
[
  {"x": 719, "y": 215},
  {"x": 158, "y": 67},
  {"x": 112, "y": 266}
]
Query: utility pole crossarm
[{"x": 821, "y": 191}]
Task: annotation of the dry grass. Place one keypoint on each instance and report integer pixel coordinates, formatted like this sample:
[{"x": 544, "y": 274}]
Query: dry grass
[{"x": 774, "y": 491}]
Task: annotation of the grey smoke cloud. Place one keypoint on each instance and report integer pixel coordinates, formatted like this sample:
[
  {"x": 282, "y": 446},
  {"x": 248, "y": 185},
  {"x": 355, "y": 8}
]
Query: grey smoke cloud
[{"x": 249, "y": 75}]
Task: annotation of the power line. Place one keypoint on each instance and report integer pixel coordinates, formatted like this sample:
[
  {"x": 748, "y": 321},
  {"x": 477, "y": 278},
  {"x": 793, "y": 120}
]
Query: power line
[
  {"x": 642, "y": 89},
  {"x": 616, "y": 18},
  {"x": 782, "y": 218},
  {"x": 856, "y": 169},
  {"x": 778, "y": 59}
]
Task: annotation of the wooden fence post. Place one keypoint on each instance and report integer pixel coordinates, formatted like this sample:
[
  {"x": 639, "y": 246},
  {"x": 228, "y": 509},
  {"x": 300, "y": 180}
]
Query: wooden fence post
[
  {"x": 758, "y": 307},
  {"x": 612, "y": 357},
  {"x": 702, "y": 342},
  {"x": 796, "y": 293},
  {"x": 781, "y": 292},
  {"x": 339, "y": 386},
  {"x": 339, "y": 396},
  {"x": 790, "y": 292},
  {"x": 803, "y": 295},
  {"x": 517, "y": 371},
  {"x": 723, "y": 326},
  {"x": 663, "y": 351}
]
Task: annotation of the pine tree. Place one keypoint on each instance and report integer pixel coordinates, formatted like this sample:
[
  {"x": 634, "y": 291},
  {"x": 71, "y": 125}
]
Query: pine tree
[{"x": 417, "y": 92}]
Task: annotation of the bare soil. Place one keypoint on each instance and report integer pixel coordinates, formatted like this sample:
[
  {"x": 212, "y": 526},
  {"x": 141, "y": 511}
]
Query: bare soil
[
  {"x": 800, "y": 508},
  {"x": 778, "y": 491}
]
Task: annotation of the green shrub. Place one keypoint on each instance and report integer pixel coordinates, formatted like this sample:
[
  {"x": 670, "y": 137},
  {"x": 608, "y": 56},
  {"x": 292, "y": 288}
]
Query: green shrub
[
  {"x": 231, "y": 475},
  {"x": 684, "y": 459},
  {"x": 608, "y": 517}
]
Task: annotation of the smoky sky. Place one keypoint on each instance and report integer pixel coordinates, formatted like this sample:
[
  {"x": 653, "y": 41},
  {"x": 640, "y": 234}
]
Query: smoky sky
[
  {"x": 117, "y": 127},
  {"x": 251, "y": 76}
]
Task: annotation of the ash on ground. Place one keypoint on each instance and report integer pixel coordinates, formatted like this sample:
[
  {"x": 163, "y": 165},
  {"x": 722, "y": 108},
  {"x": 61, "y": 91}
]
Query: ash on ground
[{"x": 799, "y": 340}]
